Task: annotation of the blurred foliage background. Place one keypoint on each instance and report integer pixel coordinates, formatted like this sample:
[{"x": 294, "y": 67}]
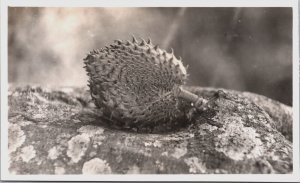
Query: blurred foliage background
[{"x": 246, "y": 49}]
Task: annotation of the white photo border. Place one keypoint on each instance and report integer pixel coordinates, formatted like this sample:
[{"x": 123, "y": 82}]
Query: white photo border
[{"x": 295, "y": 176}]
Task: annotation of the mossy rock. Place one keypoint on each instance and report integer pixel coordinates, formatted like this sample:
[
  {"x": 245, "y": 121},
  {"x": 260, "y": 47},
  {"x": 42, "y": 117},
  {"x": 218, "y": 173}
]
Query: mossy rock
[{"x": 61, "y": 132}]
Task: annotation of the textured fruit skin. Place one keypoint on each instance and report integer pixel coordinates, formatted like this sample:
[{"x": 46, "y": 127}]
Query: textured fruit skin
[{"x": 135, "y": 82}]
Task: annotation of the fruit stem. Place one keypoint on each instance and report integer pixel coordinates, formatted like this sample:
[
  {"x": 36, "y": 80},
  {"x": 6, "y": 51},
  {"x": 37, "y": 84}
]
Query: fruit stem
[{"x": 197, "y": 101}]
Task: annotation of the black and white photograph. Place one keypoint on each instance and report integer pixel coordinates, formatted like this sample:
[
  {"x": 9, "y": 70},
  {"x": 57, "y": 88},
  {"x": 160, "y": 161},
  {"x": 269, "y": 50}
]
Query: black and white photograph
[{"x": 170, "y": 90}]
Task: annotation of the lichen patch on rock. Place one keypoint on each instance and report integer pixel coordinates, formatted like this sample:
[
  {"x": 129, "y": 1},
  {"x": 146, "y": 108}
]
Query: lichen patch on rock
[
  {"x": 91, "y": 130},
  {"x": 180, "y": 151},
  {"x": 196, "y": 166},
  {"x": 164, "y": 153},
  {"x": 156, "y": 143},
  {"x": 239, "y": 142},
  {"x": 27, "y": 153},
  {"x": 77, "y": 147},
  {"x": 16, "y": 137},
  {"x": 54, "y": 152},
  {"x": 59, "y": 170},
  {"x": 94, "y": 132},
  {"x": 96, "y": 166},
  {"x": 25, "y": 123}
]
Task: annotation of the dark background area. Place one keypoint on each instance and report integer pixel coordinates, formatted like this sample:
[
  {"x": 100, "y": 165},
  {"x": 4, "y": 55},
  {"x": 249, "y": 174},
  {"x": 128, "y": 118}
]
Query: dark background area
[{"x": 246, "y": 49}]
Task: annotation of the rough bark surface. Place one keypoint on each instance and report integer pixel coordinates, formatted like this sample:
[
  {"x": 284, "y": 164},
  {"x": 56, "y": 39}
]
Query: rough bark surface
[{"x": 61, "y": 132}]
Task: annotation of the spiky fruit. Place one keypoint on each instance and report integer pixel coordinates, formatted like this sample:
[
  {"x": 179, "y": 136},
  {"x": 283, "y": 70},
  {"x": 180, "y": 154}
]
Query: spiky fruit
[{"x": 137, "y": 83}]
